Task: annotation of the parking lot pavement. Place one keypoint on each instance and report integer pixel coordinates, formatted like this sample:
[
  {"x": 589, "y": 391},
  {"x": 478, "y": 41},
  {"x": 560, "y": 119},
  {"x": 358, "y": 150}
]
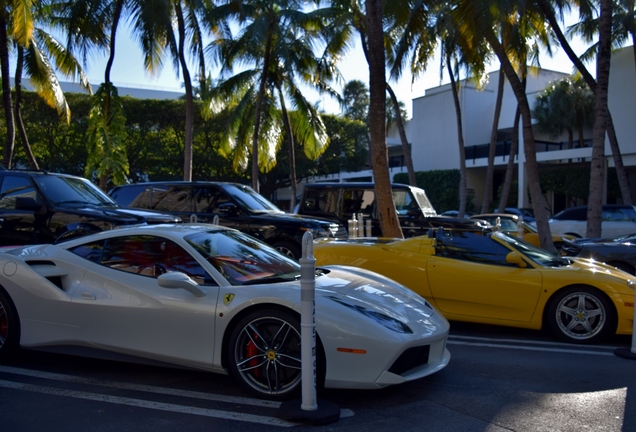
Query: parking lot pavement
[{"x": 491, "y": 384}]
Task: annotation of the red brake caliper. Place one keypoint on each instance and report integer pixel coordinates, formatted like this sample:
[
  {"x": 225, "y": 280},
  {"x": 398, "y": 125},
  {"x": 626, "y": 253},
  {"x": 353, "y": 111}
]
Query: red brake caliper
[
  {"x": 3, "y": 326},
  {"x": 251, "y": 350}
]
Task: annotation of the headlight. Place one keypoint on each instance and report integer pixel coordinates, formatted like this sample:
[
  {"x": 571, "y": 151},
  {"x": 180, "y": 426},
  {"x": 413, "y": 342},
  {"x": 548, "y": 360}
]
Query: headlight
[
  {"x": 319, "y": 232},
  {"x": 631, "y": 283}
]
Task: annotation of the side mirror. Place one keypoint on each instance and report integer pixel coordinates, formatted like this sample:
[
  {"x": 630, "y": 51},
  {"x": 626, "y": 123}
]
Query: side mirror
[
  {"x": 515, "y": 258},
  {"x": 228, "y": 208},
  {"x": 176, "y": 280}
]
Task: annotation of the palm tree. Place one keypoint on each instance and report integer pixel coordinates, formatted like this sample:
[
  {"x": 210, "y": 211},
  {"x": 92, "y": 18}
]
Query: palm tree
[
  {"x": 375, "y": 54},
  {"x": 477, "y": 19},
  {"x": 38, "y": 55},
  {"x": 16, "y": 26},
  {"x": 42, "y": 60},
  {"x": 355, "y": 100},
  {"x": 276, "y": 41},
  {"x": 367, "y": 19},
  {"x": 567, "y": 104},
  {"x": 492, "y": 147},
  {"x": 93, "y": 24},
  {"x": 597, "y": 171},
  {"x": 588, "y": 26}
]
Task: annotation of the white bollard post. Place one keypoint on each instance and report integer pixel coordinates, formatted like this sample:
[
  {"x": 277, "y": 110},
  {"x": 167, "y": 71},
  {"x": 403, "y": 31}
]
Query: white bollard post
[
  {"x": 308, "y": 323},
  {"x": 368, "y": 231},
  {"x": 215, "y": 221},
  {"x": 520, "y": 229},
  {"x": 306, "y": 410},
  {"x": 360, "y": 225}
]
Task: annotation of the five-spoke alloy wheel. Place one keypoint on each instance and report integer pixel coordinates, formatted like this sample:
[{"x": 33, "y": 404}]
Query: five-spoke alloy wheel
[
  {"x": 265, "y": 353},
  {"x": 581, "y": 315}
]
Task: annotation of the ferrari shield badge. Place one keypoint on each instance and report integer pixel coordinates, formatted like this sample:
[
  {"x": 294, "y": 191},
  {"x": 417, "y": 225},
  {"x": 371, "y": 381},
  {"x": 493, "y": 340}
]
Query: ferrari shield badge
[{"x": 227, "y": 299}]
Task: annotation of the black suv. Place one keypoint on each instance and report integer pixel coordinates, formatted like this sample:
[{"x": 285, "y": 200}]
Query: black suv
[
  {"x": 236, "y": 205},
  {"x": 41, "y": 207},
  {"x": 344, "y": 201}
]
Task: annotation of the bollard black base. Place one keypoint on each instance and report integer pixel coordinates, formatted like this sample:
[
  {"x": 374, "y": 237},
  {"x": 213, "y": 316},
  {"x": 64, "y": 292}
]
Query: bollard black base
[
  {"x": 625, "y": 353},
  {"x": 327, "y": 412}
]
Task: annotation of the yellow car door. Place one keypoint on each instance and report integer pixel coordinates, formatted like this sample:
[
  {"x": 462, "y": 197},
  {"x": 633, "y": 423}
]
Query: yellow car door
[{"x": 470, "y": 277}]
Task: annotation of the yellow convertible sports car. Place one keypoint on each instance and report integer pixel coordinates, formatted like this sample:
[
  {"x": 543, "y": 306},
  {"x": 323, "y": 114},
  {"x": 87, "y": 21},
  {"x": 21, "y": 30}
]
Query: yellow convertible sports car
[{"x": 495, "y": 278}]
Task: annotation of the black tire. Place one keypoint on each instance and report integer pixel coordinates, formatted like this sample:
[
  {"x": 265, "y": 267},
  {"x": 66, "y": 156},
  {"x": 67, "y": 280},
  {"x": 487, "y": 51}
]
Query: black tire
[
  {"x": 289, "y": 249},
  {"x": 581, "y": 314},
  {"x": 264, "y": 353},
  {"x": 9, "y": 327}
]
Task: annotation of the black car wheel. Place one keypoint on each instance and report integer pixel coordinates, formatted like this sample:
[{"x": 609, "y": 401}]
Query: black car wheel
[
  {"x": 265, "y": 353},
  {"x": 290, "y": 250},
  {"x": 581, "y": 315},
  {"x": 9, "y": 327}
]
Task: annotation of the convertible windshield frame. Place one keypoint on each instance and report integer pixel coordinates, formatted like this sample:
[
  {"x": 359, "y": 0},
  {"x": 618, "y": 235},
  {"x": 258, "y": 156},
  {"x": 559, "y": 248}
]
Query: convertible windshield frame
[
  {"x": 241, "y": 259},
  {"x": 537, "y": 255}
]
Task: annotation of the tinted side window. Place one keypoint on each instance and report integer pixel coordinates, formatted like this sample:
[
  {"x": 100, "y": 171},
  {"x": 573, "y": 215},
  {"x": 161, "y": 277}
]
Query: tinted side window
[
  {"x": 473, "y": 247},
  {"x": 619, "y": 214},
  {"x": 321, "y": 202},
  {"x": 14, "y": 191},
  {"x": 133, "y": 196},
  {"x": 144, "y": 255},
  {"x": 90, "y": 251},
  {"x": 206, "y": 199},
  {"x": 172, "y": 199},
  {"x": 404, "y": 201},
  {"x": 357, "y": 201},
  {"x": 578, "y": 214}
]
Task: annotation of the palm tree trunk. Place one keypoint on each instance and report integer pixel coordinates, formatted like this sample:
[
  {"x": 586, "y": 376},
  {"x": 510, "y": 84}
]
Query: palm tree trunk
[
  {"x": 18, "y": 110},
  {"x": 406, "y": 148},
  {"x": 257, "y": 114},
  {"x": 592, "y": 84},
  {"x": 6, "y": 92},
  {"x": 597, "y": 172},
  {"x": 539, "y": 204},
  {"x": 389, "y": 222},
  {"x": 488, "y": 192},
  {"x": 514, "y": 146},
  {"x": 189, "y": 120},
  {"x": 463, "y": 188},
  {"x": 292, "y": 154}
]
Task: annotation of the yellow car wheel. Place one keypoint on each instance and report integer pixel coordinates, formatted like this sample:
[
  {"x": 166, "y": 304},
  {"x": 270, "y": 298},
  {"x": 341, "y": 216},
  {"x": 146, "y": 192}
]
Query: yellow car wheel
[{"x": 581, "y": 314}]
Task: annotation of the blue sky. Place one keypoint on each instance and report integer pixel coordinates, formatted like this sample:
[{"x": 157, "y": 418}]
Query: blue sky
[{"x": 128, "y": 72}]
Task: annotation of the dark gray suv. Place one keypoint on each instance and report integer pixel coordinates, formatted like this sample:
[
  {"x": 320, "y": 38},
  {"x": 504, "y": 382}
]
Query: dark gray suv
[
  {"x": 41, "y": 207},
  {"x": 237, "y": 206}
]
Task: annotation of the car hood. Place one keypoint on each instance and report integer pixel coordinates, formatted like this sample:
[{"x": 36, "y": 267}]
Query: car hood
[
  {"x": 120, "y": 215},
  {"x": 151, "y": 216},
  {"x": 292, "y": 218},
  {"x": 598, "y": 269},
  {"x": 361, "y": 288}
]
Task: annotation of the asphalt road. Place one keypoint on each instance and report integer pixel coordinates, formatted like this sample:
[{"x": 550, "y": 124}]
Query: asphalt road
[{"x": 497, "y": 380}]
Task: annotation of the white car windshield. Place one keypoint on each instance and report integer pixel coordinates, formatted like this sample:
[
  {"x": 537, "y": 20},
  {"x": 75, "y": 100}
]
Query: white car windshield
[{"x": 243, "y": 260}]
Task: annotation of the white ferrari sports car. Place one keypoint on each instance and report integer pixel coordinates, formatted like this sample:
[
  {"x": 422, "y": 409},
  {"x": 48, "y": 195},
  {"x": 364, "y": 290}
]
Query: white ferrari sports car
[{"x": 212, "y": 298}]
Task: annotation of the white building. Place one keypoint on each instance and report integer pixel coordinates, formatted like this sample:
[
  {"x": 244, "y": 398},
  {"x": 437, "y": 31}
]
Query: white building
[{"x": 432, "y": 132}]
